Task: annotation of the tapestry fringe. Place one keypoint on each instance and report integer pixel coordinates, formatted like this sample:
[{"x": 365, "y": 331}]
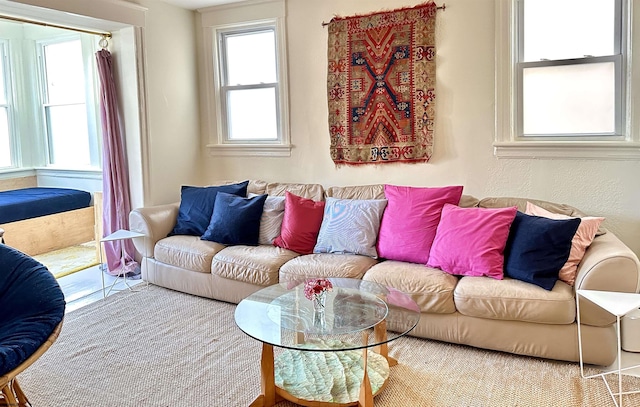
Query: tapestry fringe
[{"x": 354, "y": 164}]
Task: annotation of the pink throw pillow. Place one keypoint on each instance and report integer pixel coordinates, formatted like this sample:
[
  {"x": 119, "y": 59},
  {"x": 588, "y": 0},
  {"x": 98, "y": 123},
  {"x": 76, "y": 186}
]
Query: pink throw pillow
[
  {"x": 471, "y": 241},
  {"x": 581, "y": 240},
  {"x": 409, "y": 222},
  {"x": 300, "y": 225}
]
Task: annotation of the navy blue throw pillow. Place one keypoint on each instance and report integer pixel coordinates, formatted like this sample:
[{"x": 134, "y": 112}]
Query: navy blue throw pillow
[
  {"x": 235, "y": 220},
  {"x": 196, "y": 207},
  {"x": 537, "y": 248}
]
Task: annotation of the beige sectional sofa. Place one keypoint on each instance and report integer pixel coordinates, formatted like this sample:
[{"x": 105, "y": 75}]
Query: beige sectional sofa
[{"x": 505, "y": 315}]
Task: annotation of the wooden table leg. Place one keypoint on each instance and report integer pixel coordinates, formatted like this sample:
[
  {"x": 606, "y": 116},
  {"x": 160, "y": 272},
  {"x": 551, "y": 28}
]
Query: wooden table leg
[
  {"x": 267, "y": 379},
  {"x": 366, "y": 395},
  {"x": 380, "y": 332}
]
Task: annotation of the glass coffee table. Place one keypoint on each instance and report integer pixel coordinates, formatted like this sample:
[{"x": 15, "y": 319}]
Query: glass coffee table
[{"x": 336, "y": 357}]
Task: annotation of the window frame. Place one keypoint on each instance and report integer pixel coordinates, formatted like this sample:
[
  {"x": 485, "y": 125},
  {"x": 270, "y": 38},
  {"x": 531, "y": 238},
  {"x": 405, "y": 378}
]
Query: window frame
[
  {"x": 510, "y": 142},
  {"x": 88, "y": 49},
  {"x": 237, "y": 17},
  {"x": 225, "y": 88}
]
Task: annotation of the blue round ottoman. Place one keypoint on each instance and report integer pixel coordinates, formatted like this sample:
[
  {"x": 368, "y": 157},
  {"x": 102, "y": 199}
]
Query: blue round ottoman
[{"x": 31, "y": 312}]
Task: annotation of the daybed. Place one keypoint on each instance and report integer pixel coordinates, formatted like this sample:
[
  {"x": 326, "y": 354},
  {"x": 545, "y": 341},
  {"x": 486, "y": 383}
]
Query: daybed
[
  {"x": 506, "y": 315},
  {"x": 37, "y": 220}
]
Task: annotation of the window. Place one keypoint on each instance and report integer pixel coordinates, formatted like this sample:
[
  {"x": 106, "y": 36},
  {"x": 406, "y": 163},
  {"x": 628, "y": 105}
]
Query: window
[
  {"x": 64, "y": 108},
  {"x": 249, "y": 88},
  {"x": 561, "y": 77},
  {"x": 247, "y": 97},
  {"x": 5, "y": 109}
]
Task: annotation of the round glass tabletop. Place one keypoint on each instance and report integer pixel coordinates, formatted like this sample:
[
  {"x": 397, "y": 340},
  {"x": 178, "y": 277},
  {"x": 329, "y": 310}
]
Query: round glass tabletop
[{"x": 281, "y": 315}]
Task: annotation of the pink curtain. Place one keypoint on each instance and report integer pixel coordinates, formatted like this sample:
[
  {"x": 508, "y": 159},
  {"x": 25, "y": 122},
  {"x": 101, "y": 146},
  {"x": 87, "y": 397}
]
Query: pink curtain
[{"x": 115, "y": 175}]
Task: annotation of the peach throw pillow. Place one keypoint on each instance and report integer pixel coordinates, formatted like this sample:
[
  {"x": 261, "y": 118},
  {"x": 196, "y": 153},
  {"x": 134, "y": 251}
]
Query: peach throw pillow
[{"x": 584, "y": 236}]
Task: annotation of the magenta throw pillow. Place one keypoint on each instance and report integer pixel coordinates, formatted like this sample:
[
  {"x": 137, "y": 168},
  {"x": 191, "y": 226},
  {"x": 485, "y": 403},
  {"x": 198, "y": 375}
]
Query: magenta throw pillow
[
  {"x": 300, "y": 225},
  {"x": 471, "y": 241},
  {"x": 410, "y": 220}
]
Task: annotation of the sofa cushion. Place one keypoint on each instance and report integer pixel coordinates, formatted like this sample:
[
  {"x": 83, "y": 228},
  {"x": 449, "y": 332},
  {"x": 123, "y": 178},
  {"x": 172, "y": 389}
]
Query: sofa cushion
[
  {"x": 309, "y": 191},
  {"x": 375, "y": 191},
  {"x": 430, "y": 288},
  {"x": 538, "y": 248},
  {"x": 581, "y": 240},
  {"x": 409, "y": 223},
  {"x": 187, "y": 252},
  {"x": 468, "y": 201},
  {"x": 521, "y": 203},
  {"x": 301, "y": 224},
  {"x": 326, "y": 265},
  {"x": 235, "y": 220},
  {"x": 350, "y": 226},
  {"x": 515, "y": 300},
  {"x": 196, "y": 206},
  {"x": 257, "y": 187},
  {"x": 257, "y": 265},
  {"x": 484, "y": 232}
]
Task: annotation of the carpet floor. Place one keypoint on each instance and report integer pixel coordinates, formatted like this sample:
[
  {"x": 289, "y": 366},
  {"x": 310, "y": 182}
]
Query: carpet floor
[{"x": 161, "y": 348}]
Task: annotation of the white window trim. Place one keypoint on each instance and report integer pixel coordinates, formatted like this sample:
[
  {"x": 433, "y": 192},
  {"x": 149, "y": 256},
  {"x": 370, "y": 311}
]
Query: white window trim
[
  {"x": 224, "y": 18},
  {"x": 507, "y": 145}
]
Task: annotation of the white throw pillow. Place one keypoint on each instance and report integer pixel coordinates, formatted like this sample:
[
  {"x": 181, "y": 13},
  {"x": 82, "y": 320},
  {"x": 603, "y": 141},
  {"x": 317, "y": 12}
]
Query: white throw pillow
[{"x": 271, "y": 221}]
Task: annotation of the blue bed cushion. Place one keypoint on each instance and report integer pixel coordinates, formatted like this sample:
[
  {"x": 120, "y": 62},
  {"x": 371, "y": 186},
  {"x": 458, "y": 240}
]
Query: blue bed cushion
[
  {"x": 235, "y": 220},
  {"x": 196, "y": 207},
  {"x": 537, "y": 248},
  {"x": 32, "y": 305},
  {"x": 27, "y": 203}
]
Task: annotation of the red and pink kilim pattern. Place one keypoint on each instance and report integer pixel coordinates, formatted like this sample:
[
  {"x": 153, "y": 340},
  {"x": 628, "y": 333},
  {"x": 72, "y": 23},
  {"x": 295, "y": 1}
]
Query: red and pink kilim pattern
[{"x": 381, "y": 86}]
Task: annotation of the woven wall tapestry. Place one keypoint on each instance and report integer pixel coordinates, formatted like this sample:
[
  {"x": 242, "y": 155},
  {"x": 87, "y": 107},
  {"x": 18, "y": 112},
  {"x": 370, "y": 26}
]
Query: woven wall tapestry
[{"x": 381, "y": 86}]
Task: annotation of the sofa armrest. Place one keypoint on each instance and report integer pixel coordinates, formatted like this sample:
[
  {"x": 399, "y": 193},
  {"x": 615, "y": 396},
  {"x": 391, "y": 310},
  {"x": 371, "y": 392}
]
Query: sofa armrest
[
  {"x": 155, "y": 222},
  {"x": 608, "y": 265}
]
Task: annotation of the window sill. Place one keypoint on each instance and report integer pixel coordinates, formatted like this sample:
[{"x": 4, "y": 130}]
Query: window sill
[
  {"x": 258, "y": 150},
  {"x": 83, "y": 173},
  {"x": 9, "y": 173},
  {"x": 601, "y": 150}
]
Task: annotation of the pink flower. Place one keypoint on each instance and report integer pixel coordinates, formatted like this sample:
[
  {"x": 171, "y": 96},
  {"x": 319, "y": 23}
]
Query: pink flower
[{"x": 316, "y": 286}]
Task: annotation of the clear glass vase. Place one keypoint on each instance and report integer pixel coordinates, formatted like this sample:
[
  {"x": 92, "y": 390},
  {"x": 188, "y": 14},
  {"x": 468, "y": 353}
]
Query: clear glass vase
[{"x": 319, "y": 301}]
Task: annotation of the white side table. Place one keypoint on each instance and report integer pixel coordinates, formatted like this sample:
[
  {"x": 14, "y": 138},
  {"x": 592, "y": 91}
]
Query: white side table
[
  {"x": 619, "y": 304},
  {"x": 121, "y": 234}
]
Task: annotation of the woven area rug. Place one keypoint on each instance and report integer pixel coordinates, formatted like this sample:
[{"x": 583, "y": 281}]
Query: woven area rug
[
  {"x": 162, "y": 348},
  {"x": 381, "y": 86},
  {"x": 70, "y": 259}
]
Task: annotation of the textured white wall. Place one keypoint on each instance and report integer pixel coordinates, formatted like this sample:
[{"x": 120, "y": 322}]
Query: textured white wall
[
  {"x": 172, "y": 100},
  {"x": 463, "y": 152}
]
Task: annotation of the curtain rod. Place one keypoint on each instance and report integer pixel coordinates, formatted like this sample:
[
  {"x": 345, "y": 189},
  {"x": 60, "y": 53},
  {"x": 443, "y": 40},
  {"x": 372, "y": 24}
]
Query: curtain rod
[
  {"x": 443, "y": 7},
  {"x": 24, "y": 20}
]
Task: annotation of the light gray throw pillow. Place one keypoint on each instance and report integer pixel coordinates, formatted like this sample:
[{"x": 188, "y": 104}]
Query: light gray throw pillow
[
  {"x": 350, "y": 226},
  {"x": 271, "y": 220}
]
